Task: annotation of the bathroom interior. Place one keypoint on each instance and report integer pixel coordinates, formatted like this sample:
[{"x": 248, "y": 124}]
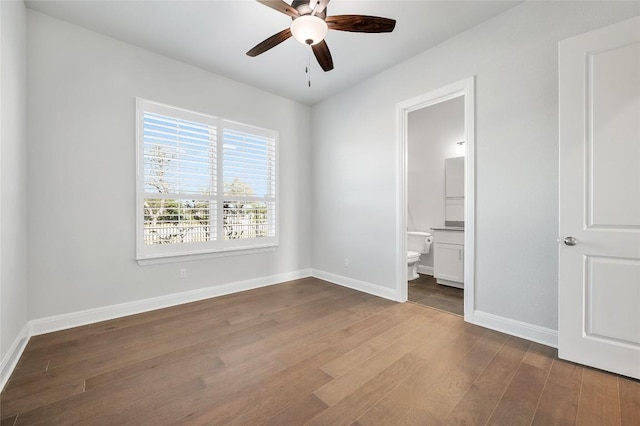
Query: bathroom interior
[{"x": 435, "y": 206}]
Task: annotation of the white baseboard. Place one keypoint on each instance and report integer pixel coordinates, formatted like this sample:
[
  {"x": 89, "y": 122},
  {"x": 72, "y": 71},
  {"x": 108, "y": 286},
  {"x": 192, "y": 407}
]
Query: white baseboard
[
  {"x": 425, "y": 270},
  {"x": 365, "y": 287},
  {"x": 535, "y": 333},
  {"x": 12, "y": 357},
  {"x": 90, "y": 316}
]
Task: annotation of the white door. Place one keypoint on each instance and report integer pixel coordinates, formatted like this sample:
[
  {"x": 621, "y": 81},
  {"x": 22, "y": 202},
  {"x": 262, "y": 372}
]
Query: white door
[{"x": 599, "y": 277}]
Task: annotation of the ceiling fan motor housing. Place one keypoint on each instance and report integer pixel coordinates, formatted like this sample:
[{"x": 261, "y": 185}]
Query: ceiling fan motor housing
[{"x": 303, "y": 8}]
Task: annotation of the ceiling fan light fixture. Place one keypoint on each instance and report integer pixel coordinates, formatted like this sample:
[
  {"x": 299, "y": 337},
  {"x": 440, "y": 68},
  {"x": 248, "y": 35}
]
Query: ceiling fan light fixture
[
  {"x": 309, "y": 29},
  {"x": 311, "y": 23}
]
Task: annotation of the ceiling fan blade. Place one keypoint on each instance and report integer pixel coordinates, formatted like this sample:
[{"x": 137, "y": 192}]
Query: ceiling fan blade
[
  {"x": 321, "y": 51},
  {"x": 272, "y": 41},
  {"x": 280, "y": 6},
  {"x": 361, "y": 23}
]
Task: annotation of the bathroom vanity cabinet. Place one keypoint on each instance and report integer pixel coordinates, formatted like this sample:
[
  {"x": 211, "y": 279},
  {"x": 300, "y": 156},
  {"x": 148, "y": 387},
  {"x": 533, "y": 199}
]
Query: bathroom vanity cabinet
[{"x": 448, "y": 256}]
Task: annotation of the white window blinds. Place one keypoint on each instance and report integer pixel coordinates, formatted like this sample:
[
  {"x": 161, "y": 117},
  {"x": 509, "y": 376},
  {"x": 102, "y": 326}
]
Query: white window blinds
[
  {"x": 204, "y": 184},
  {"x": 249, "y": 185},
  {"x": 248, "y": 159},
  {"x": 179, "y": 156}
]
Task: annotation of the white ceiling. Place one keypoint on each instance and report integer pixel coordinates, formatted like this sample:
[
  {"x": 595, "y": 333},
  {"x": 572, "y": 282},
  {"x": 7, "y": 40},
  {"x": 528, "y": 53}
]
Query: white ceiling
[{"x": 214, "y": 35}]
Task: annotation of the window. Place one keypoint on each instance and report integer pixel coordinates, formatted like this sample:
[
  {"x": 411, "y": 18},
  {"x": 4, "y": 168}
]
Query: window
[{"x": 204, "y": 184}]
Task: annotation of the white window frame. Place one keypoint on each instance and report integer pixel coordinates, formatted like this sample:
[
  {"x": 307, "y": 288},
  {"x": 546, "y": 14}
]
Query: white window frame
[{"x": 163, "y": 253}]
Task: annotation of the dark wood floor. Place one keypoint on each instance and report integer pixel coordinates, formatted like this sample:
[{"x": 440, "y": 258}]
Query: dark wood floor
[
  {"x": 304, "y": 352},
  {"x": 426, "y": 291}
]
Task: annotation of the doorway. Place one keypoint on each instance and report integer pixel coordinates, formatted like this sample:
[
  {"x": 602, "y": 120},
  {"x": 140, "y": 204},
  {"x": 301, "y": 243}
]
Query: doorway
[{"x": 454, "y": 231}]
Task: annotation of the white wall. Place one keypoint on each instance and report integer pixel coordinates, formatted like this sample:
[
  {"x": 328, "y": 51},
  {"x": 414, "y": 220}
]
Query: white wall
[
  {"x": 81, "y": 149},
  {"x": 514, "y": 59},
  {"x": 433, "y": 133},
  {"x": 13, "y": 177}
]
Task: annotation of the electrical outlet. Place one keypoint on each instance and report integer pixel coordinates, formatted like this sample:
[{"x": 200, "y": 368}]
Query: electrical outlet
[
  {"x": 183, "y": 273},
  {"x": 346, "y": 262}
]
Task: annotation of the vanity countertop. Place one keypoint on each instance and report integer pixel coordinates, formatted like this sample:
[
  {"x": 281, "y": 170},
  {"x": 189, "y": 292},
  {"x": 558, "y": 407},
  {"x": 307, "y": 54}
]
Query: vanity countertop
[{"x": 448, "y": 228}]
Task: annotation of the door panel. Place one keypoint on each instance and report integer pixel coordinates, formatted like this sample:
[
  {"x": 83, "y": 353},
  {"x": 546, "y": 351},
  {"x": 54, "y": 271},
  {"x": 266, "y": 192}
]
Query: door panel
[
  {"x": 599, "y": 276},
  {"x": 612, "y": 137},
  {"x": 612, "y": 291}
]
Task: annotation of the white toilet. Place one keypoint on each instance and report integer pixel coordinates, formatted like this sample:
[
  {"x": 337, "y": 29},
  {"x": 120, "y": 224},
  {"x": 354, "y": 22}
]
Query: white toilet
[{"x": 417, "y": 243}]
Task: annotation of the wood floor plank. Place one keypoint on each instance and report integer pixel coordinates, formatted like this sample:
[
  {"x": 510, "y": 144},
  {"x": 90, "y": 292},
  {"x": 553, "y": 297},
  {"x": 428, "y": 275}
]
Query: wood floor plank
[
  {"x": 360, "y": 370},
  {"x": 118, "y": 324},
  {"x": 109, "y": 362},
  {"x": 371, "y": 307},
  {"x": 417, "y": 416},
  {"x": 129, "y": 388},
  {"x": 12, "y": 405},
  {"x": 306, "y": 328},
  {"x": 270, "y": 401},
  {"x": 120, "y": 415},
  {"x": 27, "y": 367},
  {"x": 275, "y": 303},
  {"x": 141, "y": 335},
  {"x": 132, "y": 343},
  {"x": 437, "y": 394},
  {"x": 344, "y": 339},
  {"x": 140, "y": 368},
  {"x": 167, "y": 407},
  {"x": 426, "y": 291},
  {"x": 8, "y": 421},
  {"x": 518, "y": 403},
  {"x": 540, "y": 356},
  {"x": 266, "y": 395},
  {"x": 363, "y": 352},
  {"x": 477, "y": 405},
  {"x": 102, "y": 400},
  {"x": 350, "y": 408},
  {"x": 225, "y": 385},
  {"x": 211, "y": 330},
  {"x": 445, "y": 387},
  {"x": 322, "y": 322},
  {"x": 462, "y": 337},
  {"x": 629, "y": 400},
  {"x": 263, "y": 357},
  {"x": 558, "y": 404},
  {"x": 298, "y": 413},
  {"x": 599, "y": 402},
  {"x": 445, "y": 345}
]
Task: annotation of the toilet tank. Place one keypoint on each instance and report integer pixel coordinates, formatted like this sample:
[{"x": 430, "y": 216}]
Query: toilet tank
[{"x": 419, "y": 241}]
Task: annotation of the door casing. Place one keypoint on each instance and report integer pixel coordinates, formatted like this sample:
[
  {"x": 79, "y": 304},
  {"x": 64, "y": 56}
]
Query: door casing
[{"x": 463, "y": 88}]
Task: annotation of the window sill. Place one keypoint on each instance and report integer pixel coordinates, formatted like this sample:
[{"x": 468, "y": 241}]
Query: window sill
[{"x": 158, "y": 259}]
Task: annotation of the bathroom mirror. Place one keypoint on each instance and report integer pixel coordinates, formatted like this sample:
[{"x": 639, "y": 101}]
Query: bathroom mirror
[{"x": 454, "y": 191}]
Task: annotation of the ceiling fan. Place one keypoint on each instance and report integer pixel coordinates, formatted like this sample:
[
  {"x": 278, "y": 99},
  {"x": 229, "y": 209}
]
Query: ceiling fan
[{"x": 310, "y": 24}]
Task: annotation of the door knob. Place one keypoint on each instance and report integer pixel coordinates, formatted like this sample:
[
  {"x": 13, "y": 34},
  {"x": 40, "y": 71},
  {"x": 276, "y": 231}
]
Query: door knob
[{"x": 570, "y": 241}]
